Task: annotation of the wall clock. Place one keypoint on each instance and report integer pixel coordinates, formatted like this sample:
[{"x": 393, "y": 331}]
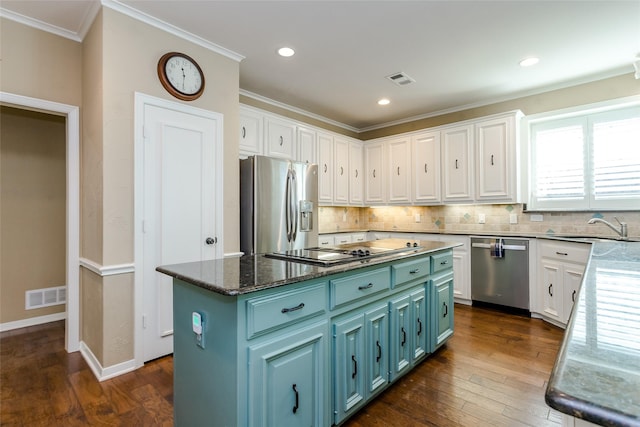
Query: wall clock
[{"x": 181, "y": 76}]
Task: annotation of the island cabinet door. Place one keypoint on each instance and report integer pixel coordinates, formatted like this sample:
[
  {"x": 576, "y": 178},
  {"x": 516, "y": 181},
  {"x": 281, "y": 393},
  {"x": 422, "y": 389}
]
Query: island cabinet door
[
  {"x": 443, "y": 308},
  {"x": 349, "y": 357},
  {"x": 376, "y": 323},
  {"x": 420, "y": 324},
  {"x": 287, "y": 385},
  {"x": 400, "y": 335}
]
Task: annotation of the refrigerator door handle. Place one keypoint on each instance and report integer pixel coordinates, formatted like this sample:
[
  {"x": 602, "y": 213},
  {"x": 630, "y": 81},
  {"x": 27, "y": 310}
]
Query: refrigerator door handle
[
  {"x": 288, "y": 205},
  {"x": 294, "y": 206}
]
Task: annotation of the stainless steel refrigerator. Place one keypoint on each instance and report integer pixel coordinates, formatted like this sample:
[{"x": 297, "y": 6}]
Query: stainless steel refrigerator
[{"x": 278, "y": 205}]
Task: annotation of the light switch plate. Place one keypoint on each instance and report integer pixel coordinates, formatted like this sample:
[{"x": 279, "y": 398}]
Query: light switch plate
[
  {"x": 417, "y": 217},
  {"x": 482, "y": 218},
  {"x": 513, "y": 218}
]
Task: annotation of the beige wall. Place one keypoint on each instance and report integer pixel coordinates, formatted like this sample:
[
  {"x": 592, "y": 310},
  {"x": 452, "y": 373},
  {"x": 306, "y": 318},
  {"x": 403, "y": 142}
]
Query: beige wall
[
  {"x": 602, "y": 90},
  {"x": 32, "y": 209},
  {"x": 39, "y": 64}
]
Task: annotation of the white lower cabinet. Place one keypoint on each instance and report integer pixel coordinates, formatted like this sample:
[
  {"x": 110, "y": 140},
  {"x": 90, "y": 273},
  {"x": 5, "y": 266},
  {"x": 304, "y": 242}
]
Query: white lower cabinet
[{"x": 561, "y": 267}]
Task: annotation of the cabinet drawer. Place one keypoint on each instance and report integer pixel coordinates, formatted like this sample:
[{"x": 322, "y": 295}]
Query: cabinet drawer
[
  {"x": 566, "y": 251},
  {"x": 410, "y": 270},
  {"x": 268, "y": 313},
  {"x": 353, "y": 288},
  {"x": 442, "y": 261}
]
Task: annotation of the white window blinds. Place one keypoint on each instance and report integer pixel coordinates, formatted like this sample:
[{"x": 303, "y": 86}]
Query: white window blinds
[{"x": 587, "y": 161}]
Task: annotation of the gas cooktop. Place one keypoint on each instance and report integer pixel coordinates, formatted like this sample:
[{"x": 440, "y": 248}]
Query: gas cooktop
[{"x": 349, "y": 252}]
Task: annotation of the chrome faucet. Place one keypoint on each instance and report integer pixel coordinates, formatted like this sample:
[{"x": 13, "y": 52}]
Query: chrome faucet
[{"x": 622, "y": 232}]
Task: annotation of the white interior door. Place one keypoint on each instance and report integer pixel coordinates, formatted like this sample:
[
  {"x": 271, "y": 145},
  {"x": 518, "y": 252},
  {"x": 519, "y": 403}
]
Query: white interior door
[{"x": 179, "y": 216}]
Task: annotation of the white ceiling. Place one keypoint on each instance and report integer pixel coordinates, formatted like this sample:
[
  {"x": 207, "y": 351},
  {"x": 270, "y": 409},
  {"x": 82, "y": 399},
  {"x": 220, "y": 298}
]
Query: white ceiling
[{"x": 461, "y": 53}]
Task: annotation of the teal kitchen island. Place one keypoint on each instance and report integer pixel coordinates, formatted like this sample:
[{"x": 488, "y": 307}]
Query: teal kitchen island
[{"x": 267, "y": 342}]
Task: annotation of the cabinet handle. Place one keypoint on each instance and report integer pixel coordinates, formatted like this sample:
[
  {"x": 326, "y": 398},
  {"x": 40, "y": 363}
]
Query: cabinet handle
[
  {"x": 325, "y": 168},
  {"x": 297, "y": 405},
  {"x": 356, "y": 173},
  {"x": 341, "y": 170},
  {"x": 281, "y": 140},
  {"x": 561, "y": 253},
  {"x": 296, "y": 308},
  {"x": 398, "y": 170},
  {"x": 355, "y": 366},
  {"x": 414, "y": 271},
  {"x": 244, "y": 132},
  {"x": 573, "y": 296},
  {"x": 492, "y": 160},
  {"x": 419, "y": 326},
  {"x": 445, "y": 262},
  {"x": 404, "y": 337},
  {"x": 446, "y": 309},
  {"x": 425, "y": 168},
  {"x": 379, "y": 351},
  {"x": 374, "y": 173},
  {"x": 363, "y": 287},
  {"x": 456, "y": 163},
  {"x": 550, "y": 290}
]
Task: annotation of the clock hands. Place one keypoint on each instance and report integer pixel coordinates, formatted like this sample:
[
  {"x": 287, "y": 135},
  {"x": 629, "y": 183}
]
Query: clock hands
[{"x": 183, "y": 77}]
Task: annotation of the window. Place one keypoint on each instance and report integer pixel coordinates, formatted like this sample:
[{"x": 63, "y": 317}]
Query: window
[{"x": 587, "y": 160}]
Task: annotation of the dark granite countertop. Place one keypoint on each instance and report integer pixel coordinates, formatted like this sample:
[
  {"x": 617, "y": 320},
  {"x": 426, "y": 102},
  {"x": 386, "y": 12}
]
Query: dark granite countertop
[
  {"x": 251, "y": 273},
  {"x": 597, "y": 372}
]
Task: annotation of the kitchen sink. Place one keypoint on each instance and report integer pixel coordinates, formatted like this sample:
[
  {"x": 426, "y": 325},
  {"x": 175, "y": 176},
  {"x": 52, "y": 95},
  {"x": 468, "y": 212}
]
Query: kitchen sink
[{"x": 596, "y": 239}]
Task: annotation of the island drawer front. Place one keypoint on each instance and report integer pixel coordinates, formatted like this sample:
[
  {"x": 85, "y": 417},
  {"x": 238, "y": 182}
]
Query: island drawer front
[
  {"x": 410, "y": 270},
  {"x": 442, "y": 261},
  {"x": 358, "y": 286},
  {"x": 566, "y": 251},
  {"x": 268, "y": 313}
]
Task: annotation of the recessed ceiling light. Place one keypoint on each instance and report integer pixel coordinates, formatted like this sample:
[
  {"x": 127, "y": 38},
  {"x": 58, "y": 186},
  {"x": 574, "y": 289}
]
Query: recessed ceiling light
[
  {"x": 286, "y": 52},
  {"x": 384, "y": 101},
  {"x": 528, "y": 62}
]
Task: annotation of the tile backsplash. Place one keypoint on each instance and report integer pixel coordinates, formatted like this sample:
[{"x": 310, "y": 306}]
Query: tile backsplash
[{"x": 466, "y": 219}]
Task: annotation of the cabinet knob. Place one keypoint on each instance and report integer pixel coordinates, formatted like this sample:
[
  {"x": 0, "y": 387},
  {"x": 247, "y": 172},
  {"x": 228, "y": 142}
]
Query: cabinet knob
[
  {"x": 446, "y": 309},
  {"x": 244, "y": 132},
  {"x": 550, "y": 289},
  {"x": 211, "y": 240},
  {"x": 425, "y": 168},
  {"x": 492, "y": 160},
  {"x": 281, "y": 140}
]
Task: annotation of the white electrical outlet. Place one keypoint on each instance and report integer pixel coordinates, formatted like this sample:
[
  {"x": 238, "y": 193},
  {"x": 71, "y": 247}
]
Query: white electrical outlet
[
  {"x": 417, "y": 217},
  {"x": 513, "y": 218},
  {"x": 482, "y": 218}
]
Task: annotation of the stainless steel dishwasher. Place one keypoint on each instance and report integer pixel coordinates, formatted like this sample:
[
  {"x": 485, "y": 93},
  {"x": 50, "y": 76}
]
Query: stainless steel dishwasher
[{"x": 500, "y": 271}]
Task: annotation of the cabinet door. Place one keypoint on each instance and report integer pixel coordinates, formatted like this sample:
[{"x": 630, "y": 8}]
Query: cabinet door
[
  {"x": 325, "y": 168},
  {"x": 341, "y": 172},
  {"x": 420, "y": 324},
  {"x": 399, "y": 170},
  {"x": 306, "y": 145},
  {"x": 551, "y": 288},
  {"x": 281, "y": 138},
  {"x": 250, "y": 132},
  {"x": 495, "y": 159},
  {"x": 456, "y": 161},
  {"x": 400, "y": 335},
  {"x": 443, "y": 308},
  {"x": 286, "y": 380},
  {"x": 426, "y": 168},
  {"x": 376, "y": 323},
  {"x": 571, "y": 281},
  {"x": 356, "y": 171},
  {"x": 349, "y": 357},
  {"x": 374, "y": 181}
]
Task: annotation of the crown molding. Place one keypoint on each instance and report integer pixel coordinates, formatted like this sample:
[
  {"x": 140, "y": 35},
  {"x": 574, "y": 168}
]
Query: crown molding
[
  {"x": 171, "y": 29},
  {"x": 53, "y": 29}
]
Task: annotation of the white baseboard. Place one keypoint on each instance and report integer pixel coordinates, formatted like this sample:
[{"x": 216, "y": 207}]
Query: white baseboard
[
  {"x": 108, "y": 372},
  {"x": 32, "y": 321}
]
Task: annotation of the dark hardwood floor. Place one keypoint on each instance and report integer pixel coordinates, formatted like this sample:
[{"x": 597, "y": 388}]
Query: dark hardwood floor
[{"x": 492, "y": 372}]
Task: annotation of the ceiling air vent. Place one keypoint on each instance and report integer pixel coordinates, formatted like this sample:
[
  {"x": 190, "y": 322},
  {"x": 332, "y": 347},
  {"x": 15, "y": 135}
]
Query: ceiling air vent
[{"x": 401, "y": 79}]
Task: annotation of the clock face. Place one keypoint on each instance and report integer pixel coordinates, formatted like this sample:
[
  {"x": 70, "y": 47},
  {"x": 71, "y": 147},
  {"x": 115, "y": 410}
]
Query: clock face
[{"x": 181, "y": 76}]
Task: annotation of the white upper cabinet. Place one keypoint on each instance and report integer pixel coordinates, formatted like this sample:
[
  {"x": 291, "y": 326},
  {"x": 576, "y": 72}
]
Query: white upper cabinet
[
  {"x": 281, "y": 138},
  {"x": 426, "y": 168},
  {"x": 250, "y": 132},
  {"x": 399, "y": 170},
  {"x": 374, "y": 179},
  {"x": 496, "y": 159},
  {"x": 325, "y": 168},
  {"x": 340, "y": 171},
  {"x": 356, "y": 173},
  {"x": 307, "y": 152},
  {"x": 457, "y": 163}
]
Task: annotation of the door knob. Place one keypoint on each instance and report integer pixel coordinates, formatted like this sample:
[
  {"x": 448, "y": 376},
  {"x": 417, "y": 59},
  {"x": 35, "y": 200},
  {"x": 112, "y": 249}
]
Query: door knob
[{"x": 211, "y": 240}]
